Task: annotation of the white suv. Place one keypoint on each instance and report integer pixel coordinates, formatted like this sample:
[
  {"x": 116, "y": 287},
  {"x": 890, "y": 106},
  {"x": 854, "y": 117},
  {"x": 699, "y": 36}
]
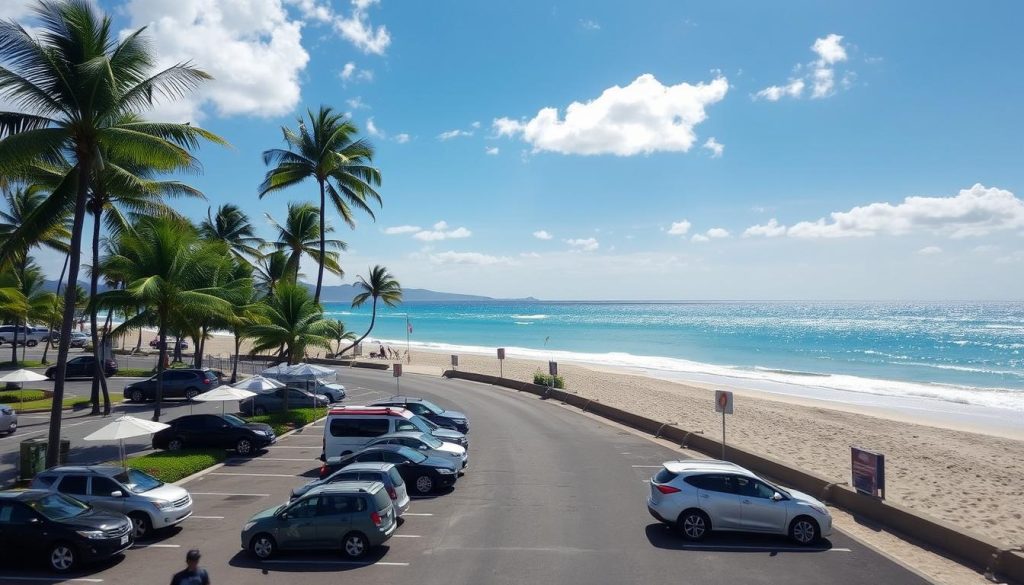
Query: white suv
[{"x": 700, "y": 496}]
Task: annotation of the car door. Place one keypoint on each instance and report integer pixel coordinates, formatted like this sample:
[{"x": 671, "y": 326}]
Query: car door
[
  {"x": 76, "y": 367},
  {"x": 219, "y": 432},
  {"x": 75, "y": 485},
  {"x": 100, "y": 490},
  {"x": 300, "y": 527},
  {"x": 716, "y": 496},
  {"x": 22, "y": 532},
  {"x": 758, "y": 511},
  {"x": 334, "y": 519}
]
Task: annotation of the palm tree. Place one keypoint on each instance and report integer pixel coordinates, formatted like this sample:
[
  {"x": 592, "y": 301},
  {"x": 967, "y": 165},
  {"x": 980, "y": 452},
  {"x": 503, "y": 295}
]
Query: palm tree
[
  {"x": 76, "y": 80},
  {"x": 339, "y": 333},
  {"x": 300, "y": 234},
  {"x": 168, "y": 272},
  {"x": 244, "y": 309},
  {"x": 231, "y": 225},
  {"x": 270, "y": 270},
  {"x": 381, "y": 285},
  {"x": 326, "y": 151}
]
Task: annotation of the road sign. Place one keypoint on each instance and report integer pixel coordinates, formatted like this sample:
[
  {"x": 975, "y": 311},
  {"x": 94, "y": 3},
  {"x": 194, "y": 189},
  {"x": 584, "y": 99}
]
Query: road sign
[
  {"x": 553, "y": 369},
  {"x": 868, "y": 469},
  {"x": 455, "y": 361},
  {"x": 723, "y": 401},
  {"x": 396, "y": 370},
  {"x": 501, "y": 353}
]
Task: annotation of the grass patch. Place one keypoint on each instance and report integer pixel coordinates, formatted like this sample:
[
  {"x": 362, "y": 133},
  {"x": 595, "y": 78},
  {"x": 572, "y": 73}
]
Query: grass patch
[
  {"x": 545, "y": 380},
  {"x": 67, "y": 403},
  {"x": 19, "y": 396},
  {"x": 134, "y": 372},
  {"x": 282, "y": 422},
  {"x": 170, "y": 466},
  {"x": 9, "y": 365}
]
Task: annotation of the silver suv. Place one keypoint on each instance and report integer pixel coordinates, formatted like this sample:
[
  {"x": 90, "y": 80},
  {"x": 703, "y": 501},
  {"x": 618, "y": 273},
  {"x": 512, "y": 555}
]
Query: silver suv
[
  {"x": 150, "y": 503},
  {"x": 700, "y": 496}
]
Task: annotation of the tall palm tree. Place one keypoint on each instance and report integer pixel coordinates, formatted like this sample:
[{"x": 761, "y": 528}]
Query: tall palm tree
[
  {"x": 270, "y": 270},
  {"x": 168, "y": 271},
  {"x": 231, "y": 225},
  {"x": 327, "y": 151},
  {"x": 381, "y": 285},
  {"x": 300, "y": 234},
  {"x": 76, "y": 79},
  {"x": 290, "y": 319}
]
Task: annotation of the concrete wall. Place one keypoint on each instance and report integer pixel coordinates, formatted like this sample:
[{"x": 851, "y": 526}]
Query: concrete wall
[{"x": 965, "y": 546}]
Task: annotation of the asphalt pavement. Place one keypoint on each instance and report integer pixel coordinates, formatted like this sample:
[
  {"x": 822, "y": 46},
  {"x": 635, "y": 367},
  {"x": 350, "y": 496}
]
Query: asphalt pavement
[{"x": 550, "y": 496}]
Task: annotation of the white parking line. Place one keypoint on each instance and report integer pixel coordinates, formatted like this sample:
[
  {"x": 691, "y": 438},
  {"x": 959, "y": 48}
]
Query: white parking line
[
  {"x": 405, "y": 536},
  {"x": 729, "y": 547},
  {"x": 651, "y": 466},
  {"x": 194, "y": 517},
  {"x": 135, "y": 546},
  {"x": 254, "y": 474},
  {"x": 227, "y": 494},
  {"x": 294, "y": 446},
  {"x": 5, "y": 578},
  {"x": 328, "y": 562},
  {"x": 272, "y": 459},
  {"x": 411, "y": 514}
]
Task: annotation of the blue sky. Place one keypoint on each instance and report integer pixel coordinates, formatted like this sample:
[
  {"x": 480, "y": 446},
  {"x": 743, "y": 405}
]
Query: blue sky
[{"x": 708, "y": 141}]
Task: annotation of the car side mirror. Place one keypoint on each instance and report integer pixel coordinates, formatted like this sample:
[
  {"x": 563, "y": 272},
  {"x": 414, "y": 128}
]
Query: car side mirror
[
  {"x": 117, "y": 494},
  {"x": 34, "y": 520},
  {"x": 283, "y": 515},
  {"x": 776, "y": 497}
]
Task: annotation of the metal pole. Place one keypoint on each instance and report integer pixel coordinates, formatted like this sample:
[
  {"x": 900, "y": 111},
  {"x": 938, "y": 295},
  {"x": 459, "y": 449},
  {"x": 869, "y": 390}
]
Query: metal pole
[
  {"x": 408, "y": 356},
  {"x": 723, "y": 435}
]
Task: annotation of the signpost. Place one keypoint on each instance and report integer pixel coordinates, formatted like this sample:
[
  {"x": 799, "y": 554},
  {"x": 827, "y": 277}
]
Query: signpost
[
  {"x": 553, "y": 371},
  {"x": 723, "y": 404},
  {"x": 396, "y": 371},
  {"x": 501, "y": 362},
  {"x": 455, "y": 362},
  {"x": 868, "y": 469}
]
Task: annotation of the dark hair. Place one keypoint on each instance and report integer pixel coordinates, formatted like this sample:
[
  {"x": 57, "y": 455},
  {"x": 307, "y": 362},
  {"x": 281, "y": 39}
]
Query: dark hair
[{"x": 192, "y": 555}]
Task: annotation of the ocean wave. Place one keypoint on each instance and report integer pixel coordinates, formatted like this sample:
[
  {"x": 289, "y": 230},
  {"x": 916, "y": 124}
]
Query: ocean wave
[
  {"x": 965, "y": 369},
  {"x": 524, "y": 322},
  {"x": 789, "y": 372},
  {"x": 533, "y": 317}
]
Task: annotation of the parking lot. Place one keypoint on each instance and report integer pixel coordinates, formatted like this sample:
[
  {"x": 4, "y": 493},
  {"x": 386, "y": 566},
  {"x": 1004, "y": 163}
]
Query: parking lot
[{"x": 551, "y": 496}]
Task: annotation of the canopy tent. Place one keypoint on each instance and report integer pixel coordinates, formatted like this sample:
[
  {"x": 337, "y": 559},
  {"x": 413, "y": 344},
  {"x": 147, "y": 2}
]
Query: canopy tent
[
  {"x": 257, "y": 384},
  {"x": 224, "y": 394},
  {"x": 300, "y": 371},
  {"x": 125, "y": 427}
]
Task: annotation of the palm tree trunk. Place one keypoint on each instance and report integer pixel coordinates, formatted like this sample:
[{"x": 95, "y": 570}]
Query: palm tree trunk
[
  {"x": 14, "y": 345},
  {"x": 373, "y": 319},
  {"x": 323, "y": 256},
  {"x": 60, "y": 280},
  {"x": 234, "y": 366},
  {"x": 99, "y": 376},
  {"x": 53, "y": 445},
  {"x": 201, "y": 346},
  {"x": 138, "y": 344},
  {"x": 177, "y": 348},
  {"x": 103, "y": 378},
  {"x": 160, "y": 369}
]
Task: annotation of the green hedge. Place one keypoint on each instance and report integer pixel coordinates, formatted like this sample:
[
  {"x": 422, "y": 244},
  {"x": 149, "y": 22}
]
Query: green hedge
[
  {"x": 17, "y": 396},
  {"x": 170, "y": 466},
  {"x": 545, "y": 380},
  {"x": 282, "y": 422},
  {"x": 9, "y": 365}
]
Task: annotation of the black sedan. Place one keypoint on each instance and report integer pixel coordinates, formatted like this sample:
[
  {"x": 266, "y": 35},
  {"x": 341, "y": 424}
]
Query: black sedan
[
  {"x": 215, "y": 431},
  {"x": 421, "y": 473},
  {"x": 38, "y": 524},
  {"x": 83, "y": 366}
]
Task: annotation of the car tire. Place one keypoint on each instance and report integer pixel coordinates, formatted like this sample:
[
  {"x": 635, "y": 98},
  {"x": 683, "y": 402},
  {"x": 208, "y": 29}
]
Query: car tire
[
  {"x": 694, "y": 525},
  {"x": 137, "y": 396},
  {"x": 176, "y": 444},
  {"x": 50, "y": 374},
  {"x": 62, "y": 557},
  {"x": 142, "y": 527},
  {"x": 423, "y": 485},
  {"x": 190, "y": 394},
  {"x": 804, "y": 531},
  {"x": 260, "y": 411},
  {"x": 244, "y": 447},
  {"x": 354, "y": 545},
  {"x": 262, "y": 546},
  {"x": 31, "y": 343}
]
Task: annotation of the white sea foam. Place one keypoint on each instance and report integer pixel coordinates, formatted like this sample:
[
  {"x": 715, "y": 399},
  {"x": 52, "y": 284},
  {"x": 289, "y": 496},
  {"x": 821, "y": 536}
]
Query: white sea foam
[{"x": 524, "y": 317}]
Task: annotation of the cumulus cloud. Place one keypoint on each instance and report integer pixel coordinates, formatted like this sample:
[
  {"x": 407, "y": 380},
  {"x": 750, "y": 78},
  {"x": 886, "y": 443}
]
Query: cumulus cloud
[
  {"x": 641, "y": 118},
  {"x": 441, "y": 232},
  {"x": 15, "y": 9},
  {"x": 700, "y": 238},
  {"x": 472, "y": 258},
  {"x": 717, "y": 233},
  {"x": 714, "y": 146},
  {"x": 772, "y": 229},
  {"x": 356, "y": 103},
  {"x": 930, "y": 251},
  {"x": 542, "y": 235},
  {"x": 357, "y": 29},
  {"x": 583, "y": 244},
  {"x": 492, "y": 150},
  {"x": 402, "y": 229},
  {"x": 820, "y": 73},
  {"x": 453, "y": 134},
  {"x": 402, "y": 138},
  {"x": 350, "y": 72},
  {"x": 372, "y": 129},
  {"x": 588, "y": 24},
  {"x": 679, "y": 228}
]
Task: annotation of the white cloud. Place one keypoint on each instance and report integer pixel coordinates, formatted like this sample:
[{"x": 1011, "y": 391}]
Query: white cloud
[
  {"x": 441, "y": 232},
  {"x": 357, "y": 29},
  {"x": 475, "y": 125},
  {"x": 641, "y": 118},
  {"x": 453, "y": 134},
  {"x": 402, "y": 229},
  {"x": 985, "y": 249},
  {"x": 679, "y": 228},
  {"x": 372, "y": 130},
  {"x": 348, "y": 70},
  {"x": 356, "y": 103},
  {"x": 441, "y": 225},
  {"x": 472, "y": 258},
  {"x": 930, "y": 251},
  {"x": 402, "y": 138},
  {"x": 821, "y": 74},
  {"x": 588, "y": 24},
  {"x": 583, "y": 244},
  {"x": 542, "y": 235},
  {"x": 718, "y": 233},
  {"x": 352, "y": 73},
  {"x": 492, "y": 150},
  {"x": 714, "y": 146},
  {"x": 700, "y": 238},
  {"x": 16, "y": 9},
  {"x": 772, "y": 229}
]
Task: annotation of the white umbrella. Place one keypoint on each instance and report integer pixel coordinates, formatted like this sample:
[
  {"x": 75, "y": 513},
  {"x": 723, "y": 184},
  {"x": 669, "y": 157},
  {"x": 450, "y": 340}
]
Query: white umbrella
[
  {"x": 224, "y": 394},
  {"x": 278, "y": 370},
  {"x": 257, "y": 384},
  {"x": 307, "y": 371},
  {"x": 125, "y": 427},
  {"x": 22, "y": 376}
]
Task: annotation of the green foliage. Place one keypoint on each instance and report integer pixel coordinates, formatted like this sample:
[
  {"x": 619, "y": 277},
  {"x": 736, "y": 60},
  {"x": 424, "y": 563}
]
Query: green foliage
[
  {"x": 282, "y": 422},
  {"x": 134, "y": 372},
  {"x": 231, "y": 226},
  {"x": 290, "y": 319},
  {"x": 300, "y": 234},
  {"x": 9, "y": 365},
  {"x": 170, "y": 466},
  {"x": 545, "y": 380},
  {"x": 16, "y": 396}
]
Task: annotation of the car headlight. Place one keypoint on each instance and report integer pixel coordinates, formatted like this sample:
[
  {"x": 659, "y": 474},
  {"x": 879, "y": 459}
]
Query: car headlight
[
  {"x": 162, "y": 505},
  {"x": 248, "y": 526},
  {"x": 90, "y": 534},
  {"x": 261, "y": 432},
  {"x": 7, "y": 411},
  {"x": 819, "y": 509},
  {"x": 445, "y": 471}
]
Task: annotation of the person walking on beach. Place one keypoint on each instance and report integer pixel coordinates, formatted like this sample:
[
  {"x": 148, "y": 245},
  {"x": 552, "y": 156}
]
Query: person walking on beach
[{"x": 192, "y": 575}]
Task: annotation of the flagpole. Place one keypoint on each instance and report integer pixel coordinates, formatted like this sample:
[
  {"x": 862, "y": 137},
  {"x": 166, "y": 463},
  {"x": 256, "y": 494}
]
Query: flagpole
[{"x": 408, "y": 334}]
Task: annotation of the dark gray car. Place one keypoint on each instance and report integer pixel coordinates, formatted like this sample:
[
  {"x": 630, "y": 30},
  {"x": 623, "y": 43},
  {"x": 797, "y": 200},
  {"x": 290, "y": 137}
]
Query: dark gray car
[
  {"x": 273, "y": 401},
  {"x": 184, "y": 383}
]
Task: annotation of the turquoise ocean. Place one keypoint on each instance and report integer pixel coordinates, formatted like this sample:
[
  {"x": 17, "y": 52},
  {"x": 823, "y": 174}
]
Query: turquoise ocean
[{"x": 968, "y": 353}]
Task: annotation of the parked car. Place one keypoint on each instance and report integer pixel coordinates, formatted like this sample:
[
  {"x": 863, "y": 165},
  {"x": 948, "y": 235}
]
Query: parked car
[
  {"x": 351, "y": 428},
  {"x": 386, "y": 473},
  {"x": 155, "y": 343},
  {"x": 184, "y": 383},
  {"x": 427, "y": 444},
  {"x": 698, "y": 497},
  {"x": 8, "y": 419},
  {"x": 333, "y": 392},
  {"x": 148, "y": 502},
  {"x": 273, "y": 401},
  {"x": 216, "y": 431},
  {"x": 62, "y": 530},
  {"x": 78, "y": 339},
  {"x": 448, "y": 419},
  {"x": 423, "y": 473},
  {"x": 352, "y": 516},
  {"x": 30, "y": 336},
  {"x": 83, "y": 366}
]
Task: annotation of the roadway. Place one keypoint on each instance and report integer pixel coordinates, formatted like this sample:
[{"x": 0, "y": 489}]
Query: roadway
[{"x": 551, "y": 496}]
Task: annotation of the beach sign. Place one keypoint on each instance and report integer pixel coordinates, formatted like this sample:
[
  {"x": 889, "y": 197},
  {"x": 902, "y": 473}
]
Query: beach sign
[
  {"x": 501, "y": 353},
  {"x": 553, "y": 370},
  {"x": 723, "y": 401},
  {"x": 455, "y": 361},
  {"x": 396, "y": 370},
  {"x": 501, "y": 362},
  {"x": 868, "y": 468}
]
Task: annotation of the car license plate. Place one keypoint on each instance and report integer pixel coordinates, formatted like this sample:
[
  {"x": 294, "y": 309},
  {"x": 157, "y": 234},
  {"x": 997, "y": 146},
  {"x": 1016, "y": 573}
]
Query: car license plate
[{"x": 124, "y": 539}]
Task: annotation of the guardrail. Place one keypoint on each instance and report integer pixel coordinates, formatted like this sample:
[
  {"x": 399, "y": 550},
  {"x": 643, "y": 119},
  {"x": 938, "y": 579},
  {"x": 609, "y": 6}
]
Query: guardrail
[{"x": 978, "y": 551}]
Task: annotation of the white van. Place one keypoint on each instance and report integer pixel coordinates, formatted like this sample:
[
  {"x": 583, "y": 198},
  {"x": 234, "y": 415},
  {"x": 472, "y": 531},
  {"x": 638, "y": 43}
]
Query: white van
[{"x": 349, "y": 428}]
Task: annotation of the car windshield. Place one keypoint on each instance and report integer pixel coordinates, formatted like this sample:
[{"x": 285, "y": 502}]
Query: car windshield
[
  {"x": 431, "y": 441},
  {"x": 411, "y": 454},
  {"x": 432, "y": 407},
  {"x": 138, "y": 481},
  {"x": 423, "y": 424},
  {"x": 234, "y": 420},
  {"x": 59, "y": 507}
]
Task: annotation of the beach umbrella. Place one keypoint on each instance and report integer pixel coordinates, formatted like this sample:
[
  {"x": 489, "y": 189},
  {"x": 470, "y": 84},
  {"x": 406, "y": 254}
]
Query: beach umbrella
[
  {"x": 257, "y": 384},
  {"x": 224, "y": 394},
  {"x": 278, "y": 370},
  {"x": 125, "y": 427},
  {"x": 19, "y": 376},
  {"x": 310, "y": 371}
]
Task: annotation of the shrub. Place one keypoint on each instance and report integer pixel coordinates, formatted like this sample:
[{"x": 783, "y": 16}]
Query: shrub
[
  {"x": 282, "y": 422},
  {"x": 545, "y": 380},
  {"x": 170, "y": 466},
  {"x": 18, "y": 396},
  {"x": 134, "y": 372},
  {"x": 9, "y": 365}
]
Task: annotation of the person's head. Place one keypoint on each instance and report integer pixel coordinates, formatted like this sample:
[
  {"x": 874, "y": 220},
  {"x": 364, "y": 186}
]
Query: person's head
[{"x": 192, "y": 558}]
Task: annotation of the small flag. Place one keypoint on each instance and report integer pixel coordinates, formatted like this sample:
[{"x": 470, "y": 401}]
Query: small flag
[{"x": 409, "y": 325}]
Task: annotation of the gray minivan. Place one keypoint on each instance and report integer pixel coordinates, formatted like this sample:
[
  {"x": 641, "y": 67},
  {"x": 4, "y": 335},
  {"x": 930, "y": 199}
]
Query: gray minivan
[{"x": 386, "y": 473}]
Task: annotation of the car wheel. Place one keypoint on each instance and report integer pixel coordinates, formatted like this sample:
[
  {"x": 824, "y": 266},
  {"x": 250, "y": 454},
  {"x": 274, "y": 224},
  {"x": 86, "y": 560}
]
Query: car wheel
[
  {"x": 804, "y": 530},
  {"x": 262, "y": 546},
  {"x": 260, "y": 411},
  {"x": 694, "y": 525},
  {"x": 190, "y": 394},
  {"x": 244, "y": 447},
  {"x": 49, "y": 374},
  {"x": 62, "y": 557},
  {"x": 176, "y": 444},
  {"x": 31, "y": 343},
  {"x": 354, "y": 545},
  {"x": 137, "y": 396},
  {"x": 424, "y": 484},
  {"x": 141, "y": 525}
]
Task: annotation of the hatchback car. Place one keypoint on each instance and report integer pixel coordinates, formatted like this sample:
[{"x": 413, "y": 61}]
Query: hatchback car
[
  {"x": 184, "y": 383},
  {"x": 148, "y": 502},
  {"x": 698, "y": 497},
  {"x": 83, "y": 366},
  {"x": 427, "y": 444},
  {"x": 332, "y": 391},
  {"x": 352, "y": 516},
  {"x": 386, "y": 473},
  {"x": 448, "y": 419},
  {"x": 78, "y": 339},
  {"x": 424, "y": 474},
  {"x": 273, "y": 401},
  {"x": 8, "y": 419},
  {"x": 216, "y": 431},
  {"x": 62, "y": 530}
]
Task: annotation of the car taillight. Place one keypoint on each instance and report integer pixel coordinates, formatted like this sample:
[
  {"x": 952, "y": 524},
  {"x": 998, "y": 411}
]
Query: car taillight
[
  {"x": 667, "y": 489},
  {"x": 323, "y": 471},
  {"x": 376, "y": 518},
  {"x": 392, "y": 493},
  {"x": 205, "y": 381}
]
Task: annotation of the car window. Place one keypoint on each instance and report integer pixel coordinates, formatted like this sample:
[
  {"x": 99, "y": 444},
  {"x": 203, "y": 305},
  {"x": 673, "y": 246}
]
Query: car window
[
  {"x": 345, "y": 477},
  {"x": 58, "y": 507},
  {"x": 665, "y": 476},
  {"x": 73, "y": 484},
  {"x": 711, "y": 483},
  {"x": 210, "y": 375},
  {"x": 405, "y": 425},
  {"x": 392, "y": 457},
  {"x": 396, "y": 478},
  {"x": 14, "y": 513},
  {"x": 408, "y": 442},
  {"x": 750, "y": 487},
  {"x": 369, "y": 456},
  {"x": 78, "y": 360},
  {"x": 338, "y": 505},
  {"x": 104, "y": 486},
  {"x": 189, "y": 423},
  {"x": 44, "y": 480},
  {"x": 305, "y": 508},
  {"x": 213, "y": 423},
  {"x": 411, "y": 454}
]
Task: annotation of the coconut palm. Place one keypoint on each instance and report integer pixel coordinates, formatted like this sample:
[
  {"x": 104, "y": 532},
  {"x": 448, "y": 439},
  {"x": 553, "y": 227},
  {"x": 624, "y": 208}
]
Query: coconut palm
[
  {"x": 270, "y": 270},
  {"x": 380, "y": 285},
  {"x": 231, "y": 225},
  {"x": 75, "y": 80},
  {"x": 338, "y": 334},
  {"x": 327, "y": 151},
  {"x": 300, "y": 234}
]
